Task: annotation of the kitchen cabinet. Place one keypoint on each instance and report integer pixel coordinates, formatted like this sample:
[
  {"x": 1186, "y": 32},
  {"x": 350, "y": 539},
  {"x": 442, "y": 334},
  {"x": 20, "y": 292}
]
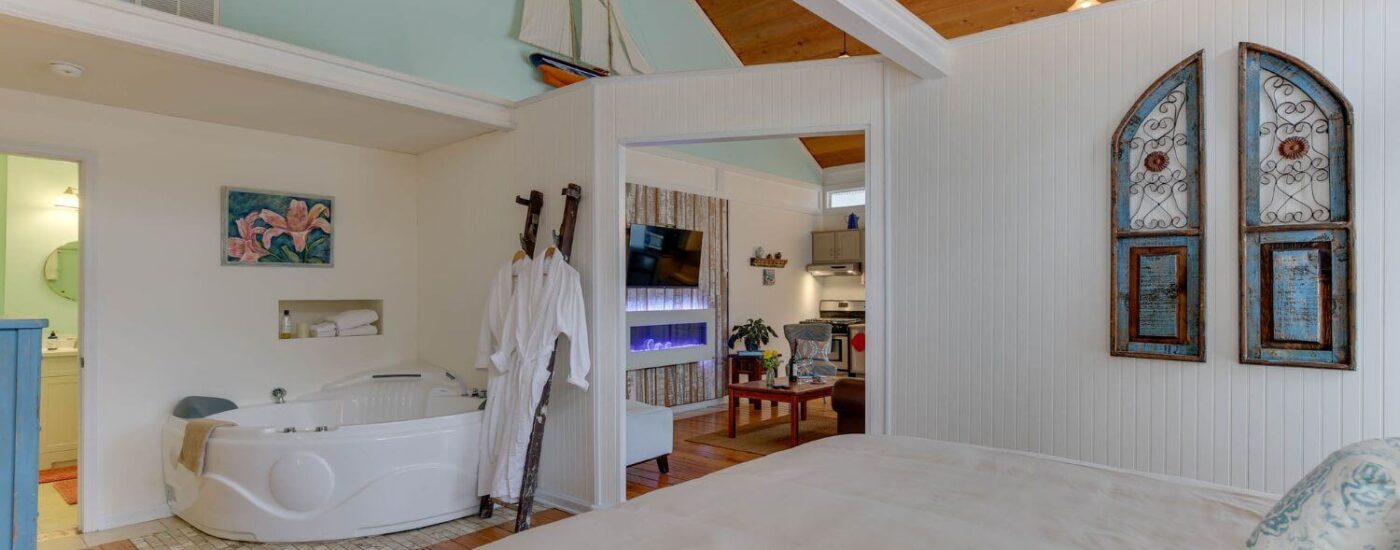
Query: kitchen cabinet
[
  {"x": 838, "y": 246},
  {"x": 58, "y": 410}
]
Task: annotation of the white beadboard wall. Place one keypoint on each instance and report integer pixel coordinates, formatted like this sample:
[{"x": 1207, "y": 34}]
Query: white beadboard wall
[
  {"x": 799, "y": 98},
  {"x": 999, "y": 200},
  {"x": 468, "y": 227}
]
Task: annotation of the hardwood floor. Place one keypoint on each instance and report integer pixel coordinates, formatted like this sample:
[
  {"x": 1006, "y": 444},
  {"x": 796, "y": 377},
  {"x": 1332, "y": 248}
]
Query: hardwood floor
[{"x": 693, "y": 460}]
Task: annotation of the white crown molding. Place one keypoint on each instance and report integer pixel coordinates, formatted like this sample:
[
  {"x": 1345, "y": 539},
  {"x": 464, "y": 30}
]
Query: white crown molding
[
  {"x": 181, "y": 36},
  {"x": 892, "y": 30}
]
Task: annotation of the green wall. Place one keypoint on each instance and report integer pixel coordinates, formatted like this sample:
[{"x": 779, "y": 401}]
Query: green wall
[
  {"x": 34, "y": 228},
  {"x": 471, "y": 44}
]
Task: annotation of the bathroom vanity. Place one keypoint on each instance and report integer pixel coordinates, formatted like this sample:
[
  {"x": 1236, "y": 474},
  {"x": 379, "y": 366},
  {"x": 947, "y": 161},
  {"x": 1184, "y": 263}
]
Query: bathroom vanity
[{"x": 58, "y": 409}]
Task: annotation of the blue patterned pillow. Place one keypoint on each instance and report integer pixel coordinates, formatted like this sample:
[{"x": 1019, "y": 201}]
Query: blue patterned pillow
[{"x": 1348, "y": 501}]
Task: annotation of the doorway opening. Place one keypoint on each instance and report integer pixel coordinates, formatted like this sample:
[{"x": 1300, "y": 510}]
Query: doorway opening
[
  {"x": 40, "y": 277},
  {"x": 741, "y": 254}
]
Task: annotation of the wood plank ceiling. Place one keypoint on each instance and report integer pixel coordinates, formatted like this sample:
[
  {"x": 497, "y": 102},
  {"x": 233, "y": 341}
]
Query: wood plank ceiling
[{"x": 779, "y": 31}]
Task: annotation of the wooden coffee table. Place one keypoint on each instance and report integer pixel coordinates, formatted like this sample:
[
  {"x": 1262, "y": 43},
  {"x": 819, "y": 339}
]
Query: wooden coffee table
[{"x": 796, "y": 397}]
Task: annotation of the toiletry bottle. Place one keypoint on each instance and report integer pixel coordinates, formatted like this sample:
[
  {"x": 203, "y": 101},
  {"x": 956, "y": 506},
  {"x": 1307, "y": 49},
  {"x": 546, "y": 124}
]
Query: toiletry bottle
[
  {"x": 286, "y": 333},
  {"x": 51, "y": 343}
]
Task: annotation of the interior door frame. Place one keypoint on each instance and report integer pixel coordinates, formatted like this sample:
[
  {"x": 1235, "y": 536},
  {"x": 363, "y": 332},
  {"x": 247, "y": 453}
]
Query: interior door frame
[
  {"x": 877, "y": 417},
  {"x": 87, "y": 329}
]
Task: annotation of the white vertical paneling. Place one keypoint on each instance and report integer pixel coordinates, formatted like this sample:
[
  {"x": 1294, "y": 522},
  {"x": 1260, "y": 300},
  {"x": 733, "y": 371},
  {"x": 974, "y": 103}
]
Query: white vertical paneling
[
  {"x": 999, "y": 208},
  {"x": 468, "y": 223}
]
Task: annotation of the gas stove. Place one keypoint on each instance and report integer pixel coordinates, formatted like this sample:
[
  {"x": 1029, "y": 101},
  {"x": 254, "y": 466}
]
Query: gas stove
[
  {"x": 847, "y": 320},
  {"x": 841, "y": 315}
]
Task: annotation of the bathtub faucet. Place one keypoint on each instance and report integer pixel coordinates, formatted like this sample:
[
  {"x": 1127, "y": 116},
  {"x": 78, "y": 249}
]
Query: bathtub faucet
[
  {"x": 279, "y": 395},
  {"x": 461, "y": 384}
]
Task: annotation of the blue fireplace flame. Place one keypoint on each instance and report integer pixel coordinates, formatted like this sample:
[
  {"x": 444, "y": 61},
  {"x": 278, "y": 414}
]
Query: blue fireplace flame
[{"x": 665, "y": 337}]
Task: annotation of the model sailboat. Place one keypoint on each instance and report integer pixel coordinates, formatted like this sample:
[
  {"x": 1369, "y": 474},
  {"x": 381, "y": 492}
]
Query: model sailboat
[{"x": 591, "y": 42}]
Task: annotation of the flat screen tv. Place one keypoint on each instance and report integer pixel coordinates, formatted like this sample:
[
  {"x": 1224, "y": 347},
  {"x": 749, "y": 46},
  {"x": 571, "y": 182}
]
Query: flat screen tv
[{"x": 663, "y": 256}]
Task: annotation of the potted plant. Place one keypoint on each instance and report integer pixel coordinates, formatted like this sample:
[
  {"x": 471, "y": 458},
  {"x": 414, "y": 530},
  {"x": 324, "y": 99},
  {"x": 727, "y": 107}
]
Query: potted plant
[{"x": 754, "y": 333}]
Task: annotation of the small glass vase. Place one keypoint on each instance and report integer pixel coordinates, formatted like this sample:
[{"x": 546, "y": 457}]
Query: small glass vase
[{"x": 770, "y": 377}]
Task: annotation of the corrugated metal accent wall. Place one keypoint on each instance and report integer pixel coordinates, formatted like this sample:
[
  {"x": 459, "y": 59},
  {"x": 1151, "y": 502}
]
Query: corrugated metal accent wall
[
  {"x": 1000, "y": 265},
  {"x": 690, "y": 382}
]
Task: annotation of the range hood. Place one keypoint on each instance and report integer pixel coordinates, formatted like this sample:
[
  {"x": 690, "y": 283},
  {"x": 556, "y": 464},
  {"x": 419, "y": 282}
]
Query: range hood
[{"x": 851, "y": 269}]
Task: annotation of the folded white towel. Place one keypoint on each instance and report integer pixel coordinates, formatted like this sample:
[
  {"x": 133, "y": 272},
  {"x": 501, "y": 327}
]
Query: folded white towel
[
  {"x": 353, "y": 318},
  {"x": 323, "y": 329},
  {"x": 366, "y": 330}
]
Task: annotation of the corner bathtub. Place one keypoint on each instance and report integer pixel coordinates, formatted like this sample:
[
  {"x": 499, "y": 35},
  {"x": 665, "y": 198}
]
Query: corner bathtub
[{"x": 397, "y": 452}]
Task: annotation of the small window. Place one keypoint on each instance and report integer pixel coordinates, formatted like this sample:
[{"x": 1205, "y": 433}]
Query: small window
[{"x": 846, "y": 198}]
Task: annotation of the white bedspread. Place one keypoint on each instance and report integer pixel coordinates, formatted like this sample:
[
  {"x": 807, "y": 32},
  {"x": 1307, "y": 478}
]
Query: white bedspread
[{"x": 865, "y": 492}]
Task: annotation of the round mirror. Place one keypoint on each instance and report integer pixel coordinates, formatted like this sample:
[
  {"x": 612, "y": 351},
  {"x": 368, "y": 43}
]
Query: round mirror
[{"x": 61, "y": 270}]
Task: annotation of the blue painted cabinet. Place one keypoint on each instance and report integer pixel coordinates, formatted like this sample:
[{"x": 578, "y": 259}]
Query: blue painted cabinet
[
  {"x": 1296, "y": 237},
  {"x": 20, "y": 341}
]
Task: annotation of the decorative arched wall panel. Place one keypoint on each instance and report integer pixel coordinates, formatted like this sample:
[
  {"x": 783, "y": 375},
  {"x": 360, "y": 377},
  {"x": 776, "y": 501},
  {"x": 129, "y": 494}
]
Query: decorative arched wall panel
[
  {"x": 1296, "y": 270},
  {"x": 1158, "y": 307}
]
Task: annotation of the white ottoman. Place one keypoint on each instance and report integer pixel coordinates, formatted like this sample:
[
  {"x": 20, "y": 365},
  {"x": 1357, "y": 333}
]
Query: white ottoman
[{"x": 648, "y": 434}]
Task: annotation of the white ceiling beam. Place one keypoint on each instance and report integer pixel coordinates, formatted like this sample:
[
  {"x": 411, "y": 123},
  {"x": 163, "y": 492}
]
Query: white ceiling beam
[
  {"x": 177, "y": 35},
  {"x": 892, "y": 30}
]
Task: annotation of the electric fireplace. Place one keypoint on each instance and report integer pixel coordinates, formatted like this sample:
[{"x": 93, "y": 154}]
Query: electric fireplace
[{"x": 669, "y": 337}]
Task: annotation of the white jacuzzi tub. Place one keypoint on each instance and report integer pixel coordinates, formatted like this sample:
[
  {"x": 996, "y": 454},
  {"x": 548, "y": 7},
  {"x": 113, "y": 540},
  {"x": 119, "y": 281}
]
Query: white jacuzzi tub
[{"x": 396, "y": 453}]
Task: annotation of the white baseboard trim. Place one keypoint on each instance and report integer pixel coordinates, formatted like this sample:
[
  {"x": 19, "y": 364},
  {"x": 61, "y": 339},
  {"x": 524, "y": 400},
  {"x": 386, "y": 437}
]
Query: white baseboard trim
[
  {"x": 567, "y": 504},
  {"x": 717, "y": 402},
  {"x": 129, "y": 518}
]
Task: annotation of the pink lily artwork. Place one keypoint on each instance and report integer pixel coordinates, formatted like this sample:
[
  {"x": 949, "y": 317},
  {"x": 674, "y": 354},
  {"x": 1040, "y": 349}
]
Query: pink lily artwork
[{"x": 274, "y": 228}]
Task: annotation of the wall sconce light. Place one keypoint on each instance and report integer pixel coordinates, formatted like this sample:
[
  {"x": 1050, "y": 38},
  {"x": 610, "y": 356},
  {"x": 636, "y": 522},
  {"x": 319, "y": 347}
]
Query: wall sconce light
[
  {"x": 1081, "y": 4},
  {"x": 69, "y": 199}
]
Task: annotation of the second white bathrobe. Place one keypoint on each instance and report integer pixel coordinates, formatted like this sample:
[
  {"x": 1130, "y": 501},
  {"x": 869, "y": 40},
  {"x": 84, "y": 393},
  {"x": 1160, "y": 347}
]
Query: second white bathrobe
[{"x": 500, "y": 382}]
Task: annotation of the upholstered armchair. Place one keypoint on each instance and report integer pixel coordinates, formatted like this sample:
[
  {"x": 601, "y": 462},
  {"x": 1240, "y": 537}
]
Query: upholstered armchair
[{"x": 811, "y": 347}]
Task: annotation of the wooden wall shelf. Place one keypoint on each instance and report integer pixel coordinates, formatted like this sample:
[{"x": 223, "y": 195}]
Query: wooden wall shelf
[{"x": 766, "y": 262}]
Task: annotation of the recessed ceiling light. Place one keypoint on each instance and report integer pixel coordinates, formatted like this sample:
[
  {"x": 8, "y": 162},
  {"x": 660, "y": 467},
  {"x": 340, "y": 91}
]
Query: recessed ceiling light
[
  {"x": 66, "y": 69},
  {"x": 1081, "y": 4}
]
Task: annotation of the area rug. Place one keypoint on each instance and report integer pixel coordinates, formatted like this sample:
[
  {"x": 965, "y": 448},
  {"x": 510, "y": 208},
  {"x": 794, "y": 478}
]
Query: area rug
[
  {"x": 58, "y": 474},
  {"x": 769, "y": 436},
  {"x": 68, "y": 489}
]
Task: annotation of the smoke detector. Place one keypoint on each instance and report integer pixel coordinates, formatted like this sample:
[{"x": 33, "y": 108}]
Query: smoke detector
[{"x": 66, "y": 69}]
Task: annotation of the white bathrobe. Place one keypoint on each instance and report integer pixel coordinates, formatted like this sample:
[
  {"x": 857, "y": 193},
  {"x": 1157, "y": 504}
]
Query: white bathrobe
[
  {"x": 548, "y": 302},
  {"x": 500, "y": 384}
]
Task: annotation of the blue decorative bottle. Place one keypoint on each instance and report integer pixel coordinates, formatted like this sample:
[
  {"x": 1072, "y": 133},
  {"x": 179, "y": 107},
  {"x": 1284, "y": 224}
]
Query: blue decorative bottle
[{"x": 853, "y": 221}]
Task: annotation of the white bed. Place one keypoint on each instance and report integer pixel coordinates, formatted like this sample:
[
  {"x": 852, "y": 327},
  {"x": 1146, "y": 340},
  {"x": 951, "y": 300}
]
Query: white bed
[{"x": 863, "y": 492}]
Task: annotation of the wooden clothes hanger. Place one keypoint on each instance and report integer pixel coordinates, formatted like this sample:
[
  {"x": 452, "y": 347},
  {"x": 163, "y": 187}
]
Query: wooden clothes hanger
[{"x": 519, "y": 255}]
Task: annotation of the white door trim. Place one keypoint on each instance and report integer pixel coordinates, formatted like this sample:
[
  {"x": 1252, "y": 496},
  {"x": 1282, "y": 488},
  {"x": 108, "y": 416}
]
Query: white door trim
[
  {"x": 87, "y": 329},
  {"x": 611, "y": 218}
]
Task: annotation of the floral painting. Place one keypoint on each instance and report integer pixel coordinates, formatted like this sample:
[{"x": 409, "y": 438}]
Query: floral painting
[{"x": 271, "y": 228}]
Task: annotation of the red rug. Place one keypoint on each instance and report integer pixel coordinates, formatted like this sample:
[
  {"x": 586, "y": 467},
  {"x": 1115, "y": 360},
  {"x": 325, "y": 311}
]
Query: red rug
[
  {"x": 68, "y": 489},
  {"x": 58, "y": 474}
]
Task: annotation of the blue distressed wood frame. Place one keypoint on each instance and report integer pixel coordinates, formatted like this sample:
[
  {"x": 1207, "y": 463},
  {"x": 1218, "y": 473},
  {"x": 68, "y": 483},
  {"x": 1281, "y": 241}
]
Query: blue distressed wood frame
[
  {"x": 1125, "y": 340},
  {"x": 1319, "y": 301},
  {"x": 1191, "y": 348}
]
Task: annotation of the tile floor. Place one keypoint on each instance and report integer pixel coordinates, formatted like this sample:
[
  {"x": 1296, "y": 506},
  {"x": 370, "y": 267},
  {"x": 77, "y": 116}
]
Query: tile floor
[
  {"x": 57, "y": 519},
  {"x": 174, "y": 534}
]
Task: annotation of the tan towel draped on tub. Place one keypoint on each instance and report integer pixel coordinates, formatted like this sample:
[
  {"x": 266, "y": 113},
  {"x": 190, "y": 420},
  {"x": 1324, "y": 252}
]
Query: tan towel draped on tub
[{"x": 197, "y": 434}]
